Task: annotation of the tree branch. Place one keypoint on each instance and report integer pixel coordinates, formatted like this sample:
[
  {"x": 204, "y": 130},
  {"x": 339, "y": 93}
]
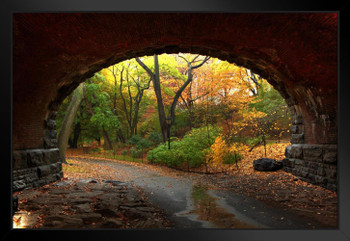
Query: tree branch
[
  {"x": 144, "y": 67},
  {"x": 199, "y": 65}
]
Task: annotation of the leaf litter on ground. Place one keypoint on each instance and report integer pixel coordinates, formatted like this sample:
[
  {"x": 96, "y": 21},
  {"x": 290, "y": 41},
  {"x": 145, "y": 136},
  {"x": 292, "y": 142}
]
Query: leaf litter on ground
[{"x": 278, "y": 189}]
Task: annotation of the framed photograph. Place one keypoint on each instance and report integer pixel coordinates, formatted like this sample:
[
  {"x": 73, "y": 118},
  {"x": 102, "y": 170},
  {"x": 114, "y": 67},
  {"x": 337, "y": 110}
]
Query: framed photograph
[{"x": 178, "y": 120}]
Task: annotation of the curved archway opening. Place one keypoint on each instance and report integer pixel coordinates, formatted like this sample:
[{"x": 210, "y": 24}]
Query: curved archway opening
[{"x": 195, "y": 92}]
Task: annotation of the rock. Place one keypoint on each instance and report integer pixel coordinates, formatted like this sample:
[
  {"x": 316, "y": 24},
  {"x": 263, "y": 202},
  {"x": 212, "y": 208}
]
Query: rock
[
  {"x": 60, "y": 191},
  {"x": 267, "y": 164},
  {"x": 107, "y": 212},
  {"x": 83, "y": 208},
  {"x": 115, "y": 183},
  {"x": 82, "y": 194},
  {"x": 146, "y": 209},
  {"x": 112, "y": 224},
  {"x": 149, "y": 223},
  {"x": 63, "y": 184},
  {"x": 133, "y": 196},
  {"x": 110, "y": 197},
  {"x": 133, "y": 213},
  {"x": 86, "y": 181},
  {"x": 89, "y": 218},
  {"x": 35, "y": 158},
  {"x": 18, "y": 185},
  {"x": 60, "y": 221},
  {"x": 80, "y": 200},
  {"x": 297, "y": 138}
]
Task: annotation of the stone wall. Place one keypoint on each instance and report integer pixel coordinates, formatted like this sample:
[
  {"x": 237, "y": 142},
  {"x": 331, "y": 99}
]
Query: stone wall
[
  {"x": 313, "y": 163},
  {"x": 35, "y": 167}
]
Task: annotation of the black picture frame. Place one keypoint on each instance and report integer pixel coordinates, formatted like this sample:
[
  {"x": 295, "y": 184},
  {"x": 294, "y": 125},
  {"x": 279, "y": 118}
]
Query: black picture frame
[{"x": 8, "y": 7}]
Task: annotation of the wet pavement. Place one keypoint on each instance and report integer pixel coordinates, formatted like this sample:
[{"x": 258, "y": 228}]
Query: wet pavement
[
  {"x": 175, "y": 201},
  {"x": 86, "y": 203}
]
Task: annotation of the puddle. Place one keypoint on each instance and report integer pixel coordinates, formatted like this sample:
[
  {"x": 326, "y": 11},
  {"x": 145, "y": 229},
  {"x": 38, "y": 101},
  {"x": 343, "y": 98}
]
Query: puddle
[
  {"x": 206, "y": 208},
  {"x": 23, "y": 219}
]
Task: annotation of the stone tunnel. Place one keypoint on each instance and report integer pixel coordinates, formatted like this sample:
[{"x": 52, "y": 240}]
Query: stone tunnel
[{"x": 295, "y": 52}]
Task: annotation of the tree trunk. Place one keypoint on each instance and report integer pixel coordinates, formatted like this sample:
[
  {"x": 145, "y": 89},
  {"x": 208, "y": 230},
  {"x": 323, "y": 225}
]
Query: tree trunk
[
  {"x": 69, "y": 120},
  {"x": 76, "y": 134},
  {"x": 157, "y": 90},
  {"x": 107, "y": 141},
  {"x": 156, "y": 86},
  {"x": 120, "y": 135},
  {"x": 185, "y": 84}
]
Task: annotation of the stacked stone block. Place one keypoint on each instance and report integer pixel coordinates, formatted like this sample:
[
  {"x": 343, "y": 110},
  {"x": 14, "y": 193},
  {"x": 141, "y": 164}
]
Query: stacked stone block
[
  {"x": 37, "y": 167},
  {"x": 313, "y": 163}
]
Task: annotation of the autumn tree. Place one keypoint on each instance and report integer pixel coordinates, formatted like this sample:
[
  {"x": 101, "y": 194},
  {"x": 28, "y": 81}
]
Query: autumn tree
[
  {"x": 114, "y": 72},
  {"x": 155, "y": 77},
  {"x": 277, "y": 121},
  {"x": 132, "y": 84},
  {"x": 97, "y": 102},
  {"x": 192, "y": 64}
]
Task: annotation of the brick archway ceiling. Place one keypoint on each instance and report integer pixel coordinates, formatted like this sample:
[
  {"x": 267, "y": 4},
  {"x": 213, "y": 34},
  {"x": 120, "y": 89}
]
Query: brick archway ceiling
[{"x": 53, "y": 53}]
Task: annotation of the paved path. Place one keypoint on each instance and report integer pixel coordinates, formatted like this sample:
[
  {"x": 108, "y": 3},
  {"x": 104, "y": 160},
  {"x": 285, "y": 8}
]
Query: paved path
[
  {"x": 190, "y": 204},
  {"x": 87, "y": 203}
]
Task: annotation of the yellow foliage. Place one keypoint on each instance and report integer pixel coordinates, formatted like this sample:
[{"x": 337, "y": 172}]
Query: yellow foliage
[{"x": 219, "y": 150}]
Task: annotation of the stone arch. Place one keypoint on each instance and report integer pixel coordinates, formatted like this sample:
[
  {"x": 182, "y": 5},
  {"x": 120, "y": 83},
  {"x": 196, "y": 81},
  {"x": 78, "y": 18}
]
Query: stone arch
[{"x": 296, "y": 53}]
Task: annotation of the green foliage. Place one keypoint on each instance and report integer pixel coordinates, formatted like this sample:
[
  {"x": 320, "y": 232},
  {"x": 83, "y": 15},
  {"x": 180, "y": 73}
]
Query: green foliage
[
  {"x": 104, "y": 118},
  {"x": 143, "y": 144},
  {"x": 135, "y": 139},
  {"x": 139, "y": 142},
  {"x": 155, "y": 137},
  {"x": 186, "y": 152},
  {"x": 253, "y": 141},
  {"x": 124, "y": 152},
  {"x": 95, "y": 150},
  {"x": 230, "y": 158},
  {"x": 100, "y": 100},
  {"x": 133, "y": 152},
  {"x": 150, "y": 124},
  {"x": 277, "y": 121},
  {"x": 180, "y": 126}
]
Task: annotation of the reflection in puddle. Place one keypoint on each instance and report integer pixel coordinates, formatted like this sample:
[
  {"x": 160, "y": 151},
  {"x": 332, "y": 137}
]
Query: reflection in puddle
[
  {"x": 207, "y": 209},
  {"x": 23, "y": 219}
]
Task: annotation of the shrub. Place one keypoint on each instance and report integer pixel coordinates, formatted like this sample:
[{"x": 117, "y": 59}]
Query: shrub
[
  {"x": 135, "y": 139},
  {"x": 231, "y": 158},
  {"x": 155, "y": 137},
  {"x": 221, "y": 153},
  {"x": 124, "y": 153},
  {"x": 188, "y": 152},
  {"x": 139, "y": 142},
  {"x": 133, "y": 152},
  {"x": 143, "y": 144},
  {"x": 138, "y": 154}
]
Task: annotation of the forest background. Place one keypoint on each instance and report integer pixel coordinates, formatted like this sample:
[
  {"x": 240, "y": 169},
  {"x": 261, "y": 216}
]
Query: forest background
[{"x": 185, "y": 111}]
